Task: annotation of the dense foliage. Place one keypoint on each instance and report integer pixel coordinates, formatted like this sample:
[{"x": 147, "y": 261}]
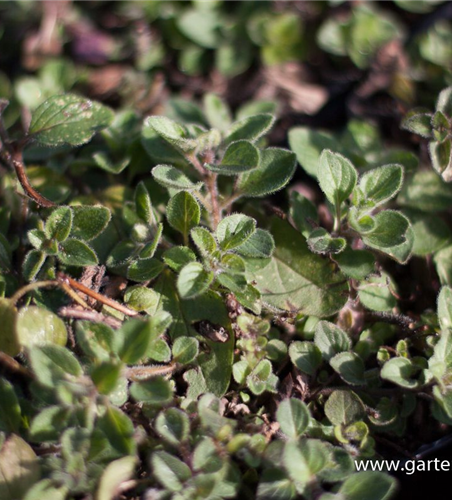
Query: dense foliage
[{"x": 171, "y": 328}]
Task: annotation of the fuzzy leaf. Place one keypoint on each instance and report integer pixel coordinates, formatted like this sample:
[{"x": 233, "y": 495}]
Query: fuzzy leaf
[
  {"x": 171, "y": 177},
  {"x": 320, "y": 241},
  {"x": 133, "y": 339},
  {"x": 217, "y": 112},
  {"x": 32, "y": 264},
  {"x": 276, "y": 168},
  {"x": 293, "y": 417},
  {"x": 349, "y": 366},
  {"x": 295, "y": 278},
  {"x": 390, "y": 230},
  {"x": 36, "y": 325},
  {"x": 259, "y": 245},
  {"x": 240, "y": 157},
  {"x": 193, "y": 280},
  {"x": 171, "y": 132},
  {"x": 445, "y": 308},
  {"x": 156, "y": 391},
  {"x": 331, "y": 340},
  {"x": 68, "y": 119},
  {"x": 234, "y": 230},
  {"x": 59, "y": 224},
  {"x": 371, "y": 485},
  {"x": 115, "y": 474},
  {"x": 343, "y": 408},
  {"x": 337, "y": 176},
  {"x": 89, "y": 221},
  {"x": 185, "y": 350},
  {"x": 183, "y": 212},
  {"x": 418, "y": 123},
  {"x": 145, "y": 269},
  {"x": 74, "y": 252},
  {"x": 400, "y": 372},
  {"x": 204, "y": 241},
  {"x": 173, "y": 425},
  {"x": 306, "y": 356},
  {"x": 381, "y": 184},
  {"x": 177, "y": 257},
  {"x": 250, "y": 128}
]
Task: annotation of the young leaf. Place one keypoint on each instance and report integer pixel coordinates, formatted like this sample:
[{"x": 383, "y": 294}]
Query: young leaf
[
  {"x": 240, "y": 157},
  {"x": 183, "y": 212},
  {"x": 143, "y": 204},
  {"x": 445, "y": 308},
  {"x": 293, "y": 417},
  {"x": 171, "y": 177},
  {"x": 68, "y": 119},
  {"x": 330, "y": 339},
  {"x": 276, "y": 168},
  {"x": 418, "y": 122},
  {"x": 177, "y": 257},
  {"x": 343, "y": 408},
  {"x": 144, "y": 269},
  {"x": 75, "y": 252},
  {"x": 156, "y": 391},
  {"x": 381, "y": 184},
  {"x": 185, "y": 350},
  {"x": 371, "y": 485},
  {"x": 234, "y": 230},
  {"x": 349, "y": 366},
  {"x": 389, "y": 230},
  {"x": 89, "y": 221},
  {"x": 171, "y": 132},
  {"x": 59, "y": 224},
  {"x": 32, "y": 264},
  {"x": 217, "y": 112},
  {"x": 173, "y": 425},
  {"x": 204, "y": 241},
  {"x": 193, "y": 280},
  {"x": 320, "y": 241},
  {"x": 306, "y": 356},
  {"x": 52, "y": 363},
  {"x": 250, "y": 128},
  {"x": 337, "y": 176},
  {"x": 400, "y": 371}
]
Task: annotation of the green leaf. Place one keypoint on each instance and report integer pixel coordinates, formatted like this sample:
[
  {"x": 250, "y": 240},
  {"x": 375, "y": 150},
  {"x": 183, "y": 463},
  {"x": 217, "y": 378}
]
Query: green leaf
[
  {"x": 149, "y": 249},
  {"x": 293, "y": 417},
  {"x": 115, "y": 474},
  {"x": 259, "y": 245},
  {"x": 331, "y": 340},
  {"x": 381, "y": 184},
  {"x": 170, "y": 177},
  {"x": 250, "y": 128},
  {"x": 259, "y": 377},
  {"x": 89, "y": 221},
  {"x": 49, "y": 424},
  {"x": 303, "y": 213},
  {"x": 52, "y": 363},
  {"x": 173, "y": 425},
  {"x": 59, "y": 224},
  {"x": 204, "y": 241},
  {"x": 337, "y": 177},
  {"x": 444, "y": 102},
  {"x": 118, "y": 428},
  {"x": 173, "y": 133},
  {"x": 441, "y": 156},
  {"x": 169, "y": 470},
  {"x": 375, "y": 293},
  {"x": 234, "y": 230},
  {"x": 400, "y": 372},
  {"x": 431, "y": 233},
  {"x": 10, "y": 412},
  {"x": 19, "y": 468},
  {"x": 102, "y": 160},
  {"x": 445, "y": 308},
  {"x": 144, "y": 269},
  {"x": 343, "y": 408},
  {"x": 9, "y": 342},
  {"x": 349, "y": 366},
  {"x": 308, "y": 144},
  {"x": 36, "y": 326},
  {"x": 178, "y": 257},
  {"x": 5, "y": 253},
  {"x": 75, "y": 252},
  {"x": 185, "y": 350},
  {"x": 183, "y": 212},
  {"x": 275, "y": 170},
  {"x": 426, "y": 191},
  {"x": 157, "y": 391},
  {"x": 105, "y": 376},
  {"x": 240, "y": 157},
  {"x": 306, "y": 356},
  {"x": 193, "y": 280},
  {"x": 217, "y": 112},
  {"x": 390, "y": 230},
  {"x": 68, "y": 119},
  {"x": 371, "y": 485},
  {"x": 133, "y": 339},
  {"x": 143, "y": 204},
  {"x": 295, "y": 278},
  {"x": 202, "y": 26},
  {"x": 356, "y": 264},
  {"x": 32, "y": 264},
  {"x": 321, "y": 242},
  {"x": 418, "y": 123}
]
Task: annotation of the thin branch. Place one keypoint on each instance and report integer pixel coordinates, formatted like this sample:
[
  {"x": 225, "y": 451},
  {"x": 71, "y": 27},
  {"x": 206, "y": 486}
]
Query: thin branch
[
  {"x": 137, "y": 373},
  {"x": 13, "y": 366},
  {"x": 64, "y": 278},
  {"x": 94, "y": 316},
  {"x": 213, "y": 189},
  {"x": 32, "y": 286}
]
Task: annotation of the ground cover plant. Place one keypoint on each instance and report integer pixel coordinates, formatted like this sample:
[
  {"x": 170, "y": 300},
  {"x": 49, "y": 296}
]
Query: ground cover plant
[{"x": 214, "y": 296}]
